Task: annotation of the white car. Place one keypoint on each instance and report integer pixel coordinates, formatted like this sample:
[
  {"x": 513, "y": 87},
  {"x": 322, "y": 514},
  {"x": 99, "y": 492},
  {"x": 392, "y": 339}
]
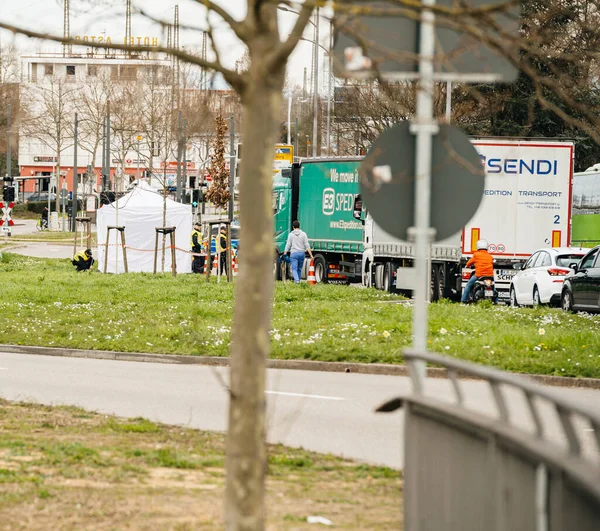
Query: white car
[{"x": 540, "y": 279}]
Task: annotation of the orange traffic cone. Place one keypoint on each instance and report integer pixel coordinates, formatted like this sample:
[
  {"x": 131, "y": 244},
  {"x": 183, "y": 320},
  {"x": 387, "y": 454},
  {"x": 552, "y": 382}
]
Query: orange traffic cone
[
  {"x": 234, "y": 263},
  {"x": 311, "y": 279}
]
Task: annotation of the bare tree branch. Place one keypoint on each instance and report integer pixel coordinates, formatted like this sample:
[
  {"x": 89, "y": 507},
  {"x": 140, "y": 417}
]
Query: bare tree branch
[
  {"x": 239, "y": 28},
  {"x": 282, "y": 53}
]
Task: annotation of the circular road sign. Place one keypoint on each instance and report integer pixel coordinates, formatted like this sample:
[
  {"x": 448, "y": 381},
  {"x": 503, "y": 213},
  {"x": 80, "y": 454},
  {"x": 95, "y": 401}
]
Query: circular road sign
[{"x": 387, "y": 181}]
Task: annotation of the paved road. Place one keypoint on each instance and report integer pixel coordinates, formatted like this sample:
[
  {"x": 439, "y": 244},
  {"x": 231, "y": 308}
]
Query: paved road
[
  {"x": 325, "y": 412},
  {"x": 36, "y": 249},
  {"x": 43, "y": 250}
]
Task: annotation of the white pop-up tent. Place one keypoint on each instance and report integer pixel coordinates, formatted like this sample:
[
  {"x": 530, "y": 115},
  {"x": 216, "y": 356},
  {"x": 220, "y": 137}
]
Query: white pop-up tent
[{"x": 141, "y": 212}]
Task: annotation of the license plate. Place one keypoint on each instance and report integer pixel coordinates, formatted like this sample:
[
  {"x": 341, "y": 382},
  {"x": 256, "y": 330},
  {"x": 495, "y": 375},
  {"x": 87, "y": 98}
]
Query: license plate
[
  {"x": 489, "y": 293},
  {"x": 505, "y": 274}
]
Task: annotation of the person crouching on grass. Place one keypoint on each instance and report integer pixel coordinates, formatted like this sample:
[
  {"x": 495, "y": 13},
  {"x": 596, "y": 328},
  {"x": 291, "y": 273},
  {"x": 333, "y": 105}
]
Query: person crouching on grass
[{"x": 83, "y": 260}]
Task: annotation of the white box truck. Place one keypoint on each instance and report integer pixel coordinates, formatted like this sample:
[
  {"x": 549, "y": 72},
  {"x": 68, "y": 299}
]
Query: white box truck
[{"x": 526, "y": 206}]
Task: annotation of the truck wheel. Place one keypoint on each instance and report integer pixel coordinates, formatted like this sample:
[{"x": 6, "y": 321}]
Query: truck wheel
[
  {"x": 440, "y": 272},
  {"x": 379, "y": 276},
  {"x": 321, "y": 269},
  {"x": 388, "y": 278},
  {"x": 433, "y": 286},
  {"x": 277, "y": 268},
  {"x": 368, "y": 276}
]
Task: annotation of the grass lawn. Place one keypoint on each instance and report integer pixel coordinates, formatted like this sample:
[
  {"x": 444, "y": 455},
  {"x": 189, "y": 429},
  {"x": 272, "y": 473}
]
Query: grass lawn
[
  {"x": 66, "y": 468},
  {"x": 46, "y": 303},
  {"x": 45, "y": 235}
]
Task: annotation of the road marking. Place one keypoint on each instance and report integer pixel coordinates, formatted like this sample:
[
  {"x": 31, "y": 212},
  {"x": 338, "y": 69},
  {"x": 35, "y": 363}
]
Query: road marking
[{"x": 304, "y": 396}]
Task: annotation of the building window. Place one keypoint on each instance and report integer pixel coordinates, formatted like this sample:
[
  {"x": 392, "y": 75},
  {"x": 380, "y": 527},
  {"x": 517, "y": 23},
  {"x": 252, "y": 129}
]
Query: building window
[
  {"x": 48, "y": 70},
  {"x": 129, "y": 73},
  {"x": 92, "y": 70},
  {"x": 155, "y": 147},
  {"x": 70, "y": 70}
]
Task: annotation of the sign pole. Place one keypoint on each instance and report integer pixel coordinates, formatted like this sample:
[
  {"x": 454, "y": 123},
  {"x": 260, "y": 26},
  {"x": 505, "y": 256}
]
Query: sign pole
[
  {"x": 424, "y": 128},
  {"x": 74, "y": 204},
  {"x": 231, "y": 165}
]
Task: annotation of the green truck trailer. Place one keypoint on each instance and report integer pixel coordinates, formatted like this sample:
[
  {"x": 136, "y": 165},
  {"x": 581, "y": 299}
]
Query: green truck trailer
[{"x": 320, "y": 194}]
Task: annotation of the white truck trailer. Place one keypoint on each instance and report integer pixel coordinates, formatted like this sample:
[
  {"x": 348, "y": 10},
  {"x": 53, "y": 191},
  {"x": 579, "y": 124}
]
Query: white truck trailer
[{"x": 526, "y": 206}]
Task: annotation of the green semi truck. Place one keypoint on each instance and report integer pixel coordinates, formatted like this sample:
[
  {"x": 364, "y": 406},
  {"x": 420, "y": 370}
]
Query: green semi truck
[
  {"x": 320, "y": 195},
  {"x": 349, "y": 246}
]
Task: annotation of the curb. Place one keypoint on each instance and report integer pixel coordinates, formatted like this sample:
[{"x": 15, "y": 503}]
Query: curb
[{"x": 298, "y": 365}]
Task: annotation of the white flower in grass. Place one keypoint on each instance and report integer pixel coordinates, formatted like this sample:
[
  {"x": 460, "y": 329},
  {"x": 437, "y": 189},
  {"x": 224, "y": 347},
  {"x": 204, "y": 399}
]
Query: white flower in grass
[
  {"x": 447, "y": 347},
  {"x": 386, "y": 334},
  {"x": 541, "y": 331},
  {"x": 277, "y": 337},
  {"x": 443, "y": 331}
]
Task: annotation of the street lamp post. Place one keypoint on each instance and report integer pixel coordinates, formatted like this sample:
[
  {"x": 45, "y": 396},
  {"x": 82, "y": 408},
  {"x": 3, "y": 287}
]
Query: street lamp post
[
  {"x": 139, "y": 137},
  {"x": 316, "y": 85},
  {"x": 330, "y": 74},
  {"x": 316, "y": 45}
]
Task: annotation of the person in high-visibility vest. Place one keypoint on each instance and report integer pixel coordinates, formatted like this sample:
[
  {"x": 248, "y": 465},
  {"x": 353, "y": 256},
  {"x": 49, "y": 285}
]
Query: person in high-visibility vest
[
  {"x": 197, "y": 246},
  {"x": 83, "y": 260},
  {"x": 222, "y": 248}
]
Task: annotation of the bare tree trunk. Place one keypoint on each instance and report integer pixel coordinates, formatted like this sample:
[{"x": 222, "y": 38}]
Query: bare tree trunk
[
  {"x": 246, "y": 453},
  {"x": 57, "y": 178},
  {"x": 164, "y": 217}
]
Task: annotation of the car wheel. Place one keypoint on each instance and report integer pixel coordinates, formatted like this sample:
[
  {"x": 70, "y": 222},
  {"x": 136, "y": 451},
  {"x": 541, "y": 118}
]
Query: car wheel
[
  {"x": 536, "y": 297},
  {"x": 513, "y": 298},
  {"x": 567, "y": 301}
]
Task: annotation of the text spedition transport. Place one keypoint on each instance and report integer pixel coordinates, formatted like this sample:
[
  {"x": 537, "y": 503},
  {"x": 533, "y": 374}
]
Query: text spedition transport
[{"x": 526, "y": 205}]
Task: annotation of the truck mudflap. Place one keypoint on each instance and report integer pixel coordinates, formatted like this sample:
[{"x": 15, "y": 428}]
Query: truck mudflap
[{"x": 502, "y": 278}]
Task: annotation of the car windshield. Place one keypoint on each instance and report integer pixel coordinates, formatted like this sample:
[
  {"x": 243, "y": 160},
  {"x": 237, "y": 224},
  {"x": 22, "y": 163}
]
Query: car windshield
[
  {"x": 235, "y": 232},
  {"x": 565, "y": 260}
]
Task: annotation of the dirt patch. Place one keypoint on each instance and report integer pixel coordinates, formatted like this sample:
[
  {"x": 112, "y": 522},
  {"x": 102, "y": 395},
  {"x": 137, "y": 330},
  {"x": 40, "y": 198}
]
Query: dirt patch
[{"x": 64, "y": 468}]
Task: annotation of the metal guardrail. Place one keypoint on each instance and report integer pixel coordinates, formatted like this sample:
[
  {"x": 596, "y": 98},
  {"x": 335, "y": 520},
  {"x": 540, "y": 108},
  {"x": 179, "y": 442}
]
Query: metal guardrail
[{"x": 465, "y": 470}]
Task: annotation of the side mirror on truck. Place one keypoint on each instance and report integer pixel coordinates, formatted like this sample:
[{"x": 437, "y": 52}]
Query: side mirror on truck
[{"x": 357, "y": 211}]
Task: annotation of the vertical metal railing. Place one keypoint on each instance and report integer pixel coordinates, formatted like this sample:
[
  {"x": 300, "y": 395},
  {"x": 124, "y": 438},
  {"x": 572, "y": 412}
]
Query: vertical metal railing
[{"x": 531, "y": 481}]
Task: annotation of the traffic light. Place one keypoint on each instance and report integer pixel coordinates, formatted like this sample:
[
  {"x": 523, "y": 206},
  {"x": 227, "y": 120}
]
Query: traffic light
[
  {"x": 8, "y": 194},
  {"x": 196, "y": 197}
]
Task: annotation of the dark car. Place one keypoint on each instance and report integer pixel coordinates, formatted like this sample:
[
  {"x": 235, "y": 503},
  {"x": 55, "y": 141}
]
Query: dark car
[
  {"x": 37, "y": 197},
  {"x": 235, "y": 237},
  {"x": 581, "y": 290}
]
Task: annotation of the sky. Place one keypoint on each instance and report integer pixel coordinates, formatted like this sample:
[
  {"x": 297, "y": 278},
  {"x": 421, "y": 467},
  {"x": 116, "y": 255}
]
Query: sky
[{"x": 98, "y": 17}]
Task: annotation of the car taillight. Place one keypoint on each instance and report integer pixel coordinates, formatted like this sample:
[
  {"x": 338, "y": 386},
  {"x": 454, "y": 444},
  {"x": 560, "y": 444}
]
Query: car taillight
[
  {"x": 466, "y": 275},
  {"x": 556, "y": 272}
]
